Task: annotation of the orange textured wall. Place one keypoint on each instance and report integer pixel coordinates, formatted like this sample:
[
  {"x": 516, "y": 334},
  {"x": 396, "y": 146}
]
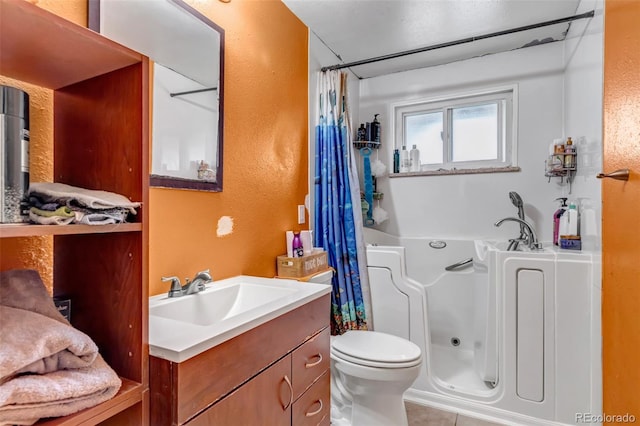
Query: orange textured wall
[
  {"x": 37, "y": 252},
  {"x": 621, "y": 202},
  {"x": 265, "y": 153}
]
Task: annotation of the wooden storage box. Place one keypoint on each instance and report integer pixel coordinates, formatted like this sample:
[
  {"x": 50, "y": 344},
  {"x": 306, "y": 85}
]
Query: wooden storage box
[{"x": 297, "y": 267}]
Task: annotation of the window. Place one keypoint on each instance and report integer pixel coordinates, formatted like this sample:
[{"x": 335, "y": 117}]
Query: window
[{"x": 466, "y": 132}]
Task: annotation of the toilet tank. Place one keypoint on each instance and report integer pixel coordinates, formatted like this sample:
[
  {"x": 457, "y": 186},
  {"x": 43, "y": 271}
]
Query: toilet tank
[{"x": 322, "y": 277}]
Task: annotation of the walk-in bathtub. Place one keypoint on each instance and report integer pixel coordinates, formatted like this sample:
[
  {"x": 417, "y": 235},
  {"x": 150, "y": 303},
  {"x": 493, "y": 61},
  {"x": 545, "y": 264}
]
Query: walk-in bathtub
[{"x": 513, "y": 336}]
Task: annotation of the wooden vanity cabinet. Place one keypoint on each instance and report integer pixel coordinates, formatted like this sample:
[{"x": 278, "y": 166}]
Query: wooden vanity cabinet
[
  {"x": 100, "y": 131},
  {"x": 274, "y": 374}
]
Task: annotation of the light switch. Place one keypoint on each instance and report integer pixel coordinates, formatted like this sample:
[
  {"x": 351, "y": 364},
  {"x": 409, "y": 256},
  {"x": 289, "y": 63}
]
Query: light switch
[{"x": 301, "y": 214}]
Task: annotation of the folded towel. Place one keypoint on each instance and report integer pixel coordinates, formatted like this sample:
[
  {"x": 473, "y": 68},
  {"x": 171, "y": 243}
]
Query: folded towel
[
  {"x": 60, "y": 211},
  {"x": 26, "y": 399},
  {"x": 56, "y": 192},
  {"x": 35, "y": 344},
  {"x": 105, "y": 217},
  {"x": 49, "y": 219},
  {"x": 24, "y": 289},
  {"x": 47, "y": 367}
]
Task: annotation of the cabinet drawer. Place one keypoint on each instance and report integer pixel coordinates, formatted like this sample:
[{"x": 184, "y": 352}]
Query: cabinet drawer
[
  {"x": 312, "y": 408},
  {"x": 264, "y": 400},
  {"x": 309, "y": 362}
]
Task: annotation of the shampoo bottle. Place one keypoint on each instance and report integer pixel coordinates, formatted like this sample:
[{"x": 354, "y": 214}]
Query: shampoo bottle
[
  {"x": 572, "y": 220},
  {"x": 556, "y": 219},
  {"x": 405, "y": 162},
  {"x": 414, "y": 159},
  {"x": 396, "y": 161},
  {"x": 375, "y": 129}
]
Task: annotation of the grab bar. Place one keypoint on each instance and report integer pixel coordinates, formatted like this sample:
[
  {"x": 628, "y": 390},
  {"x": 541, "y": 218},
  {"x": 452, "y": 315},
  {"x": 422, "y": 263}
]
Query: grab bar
[{"x": 459, "y": 265}]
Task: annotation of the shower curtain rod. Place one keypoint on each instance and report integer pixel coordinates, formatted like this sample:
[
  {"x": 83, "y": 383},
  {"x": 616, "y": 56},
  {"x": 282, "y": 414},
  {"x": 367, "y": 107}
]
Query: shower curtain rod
[
  {"x": 190, "y": 92},
  {"x": 460, "y": 41}
]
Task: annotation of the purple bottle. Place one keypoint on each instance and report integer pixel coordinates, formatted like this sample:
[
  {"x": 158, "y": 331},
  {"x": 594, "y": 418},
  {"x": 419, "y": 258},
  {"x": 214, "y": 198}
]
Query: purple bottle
[
  {"x": 556, "y": 219},
  {"x": 296, "y": 245}
]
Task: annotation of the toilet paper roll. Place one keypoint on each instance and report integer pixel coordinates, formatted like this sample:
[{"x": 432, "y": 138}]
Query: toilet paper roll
[{"x": 307, "y": 242}]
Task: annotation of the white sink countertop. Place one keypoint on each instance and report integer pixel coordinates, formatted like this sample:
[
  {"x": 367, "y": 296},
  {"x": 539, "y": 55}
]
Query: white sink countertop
[{"x": 182, "y": 327}]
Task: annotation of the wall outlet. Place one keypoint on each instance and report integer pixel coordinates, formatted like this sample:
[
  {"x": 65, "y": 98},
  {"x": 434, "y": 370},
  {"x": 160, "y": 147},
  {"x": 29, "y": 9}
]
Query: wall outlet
[{"x": 301, "y": 214}]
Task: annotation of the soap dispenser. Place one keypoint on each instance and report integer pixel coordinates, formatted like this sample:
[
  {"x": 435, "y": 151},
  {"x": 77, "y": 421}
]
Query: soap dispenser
[{"x": 556, "y": 219}]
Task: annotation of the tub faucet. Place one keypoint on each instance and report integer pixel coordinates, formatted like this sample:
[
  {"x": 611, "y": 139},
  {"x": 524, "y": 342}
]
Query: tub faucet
[
  {"x": 530, "y": 237},
  {"x": 191, "y": 287}
]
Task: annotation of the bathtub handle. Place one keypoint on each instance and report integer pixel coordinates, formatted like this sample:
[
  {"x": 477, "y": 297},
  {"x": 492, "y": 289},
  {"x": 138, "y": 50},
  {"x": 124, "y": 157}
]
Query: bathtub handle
[{"x": 462, "y": 264}]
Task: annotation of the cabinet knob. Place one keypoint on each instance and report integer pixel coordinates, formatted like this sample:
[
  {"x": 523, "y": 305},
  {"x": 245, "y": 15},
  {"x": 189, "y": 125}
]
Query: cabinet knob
[{"x": 622, "y": 174}]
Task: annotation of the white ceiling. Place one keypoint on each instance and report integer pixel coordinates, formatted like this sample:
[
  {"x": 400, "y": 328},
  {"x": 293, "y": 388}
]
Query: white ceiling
[{"x": 360, "y": 29}]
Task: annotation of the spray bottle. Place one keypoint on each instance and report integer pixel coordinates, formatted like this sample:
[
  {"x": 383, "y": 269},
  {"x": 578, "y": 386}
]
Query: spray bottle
[{"x": 556, "y": 219}]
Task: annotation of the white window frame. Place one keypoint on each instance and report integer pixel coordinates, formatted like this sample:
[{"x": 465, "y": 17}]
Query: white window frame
[{"x": 506, "y": 99}]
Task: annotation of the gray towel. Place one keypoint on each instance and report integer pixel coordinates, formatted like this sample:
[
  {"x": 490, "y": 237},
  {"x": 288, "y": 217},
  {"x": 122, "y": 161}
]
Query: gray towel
[{"x": 94, "y": 199}]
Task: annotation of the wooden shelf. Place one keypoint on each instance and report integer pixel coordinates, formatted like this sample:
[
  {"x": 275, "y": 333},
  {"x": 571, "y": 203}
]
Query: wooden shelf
[
  {"x": 31, "y": 37},
  {"x": 100, "y": 140},
  {"x": 129, "y": 394},
  {"x": 11, "y": 230}
]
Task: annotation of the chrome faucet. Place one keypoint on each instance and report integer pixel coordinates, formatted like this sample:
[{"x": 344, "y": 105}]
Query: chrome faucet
[
  {"x": 191, "y": 287},
  {"x": 530, "y": 237}
]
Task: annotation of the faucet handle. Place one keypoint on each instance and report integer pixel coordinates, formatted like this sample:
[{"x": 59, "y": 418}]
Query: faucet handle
[
  {"x": 204, "y": 275},
  {"x": 176, "y": 288}
]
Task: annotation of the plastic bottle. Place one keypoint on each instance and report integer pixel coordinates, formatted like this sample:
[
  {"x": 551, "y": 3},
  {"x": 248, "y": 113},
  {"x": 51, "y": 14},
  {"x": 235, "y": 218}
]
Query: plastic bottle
[
  {"x": 414, "y": 159},
  {"x": 375, "y": 129},
  {"x": 556, "y": 219},
  {"x": 289, "y": 237},
  {"x": 572, "y": 222},
  {"x": 564, "y": 226},
  {"x": 405, "y": 162},
  {"x": 296, "y": 245},
  {"x": 362, "y": 133},
  {"x": 569, "y": 157},
  {"x": 396, "y": 161},
  {"x": 306, "y": 239}
]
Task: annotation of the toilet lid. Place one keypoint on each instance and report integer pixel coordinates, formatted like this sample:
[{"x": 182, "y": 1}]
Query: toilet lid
[{"x": 376, "y": 349}]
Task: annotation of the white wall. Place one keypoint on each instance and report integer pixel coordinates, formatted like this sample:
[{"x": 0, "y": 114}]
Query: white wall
[
  {"x": 467, "y": 206},
  {"x": 583, "y": 82},
  {"x": 583, "y": 117}
]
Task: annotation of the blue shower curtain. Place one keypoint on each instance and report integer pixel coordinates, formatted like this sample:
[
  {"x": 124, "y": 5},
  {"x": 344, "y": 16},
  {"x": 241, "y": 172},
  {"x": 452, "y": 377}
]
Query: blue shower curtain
[{"x": 337, "y": 204}]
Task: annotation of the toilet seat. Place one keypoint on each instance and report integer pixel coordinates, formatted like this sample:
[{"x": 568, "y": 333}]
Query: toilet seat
[{"x": 375, "y": 349}]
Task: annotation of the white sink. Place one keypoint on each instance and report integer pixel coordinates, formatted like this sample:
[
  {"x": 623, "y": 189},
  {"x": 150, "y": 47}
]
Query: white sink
[{"x": 182, "y": 327}]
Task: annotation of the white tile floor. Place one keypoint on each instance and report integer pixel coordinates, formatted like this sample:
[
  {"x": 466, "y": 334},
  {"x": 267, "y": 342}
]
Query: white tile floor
[{"x": 420, "y": 415}]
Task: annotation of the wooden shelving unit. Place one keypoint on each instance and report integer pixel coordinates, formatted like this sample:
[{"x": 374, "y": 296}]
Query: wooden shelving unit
[
  {"x": 101, "y": 122},
  {"x": 12, "y": 230}
]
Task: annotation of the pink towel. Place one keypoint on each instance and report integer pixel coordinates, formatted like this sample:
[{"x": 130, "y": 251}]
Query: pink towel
[{"x": 47, "y": 367}]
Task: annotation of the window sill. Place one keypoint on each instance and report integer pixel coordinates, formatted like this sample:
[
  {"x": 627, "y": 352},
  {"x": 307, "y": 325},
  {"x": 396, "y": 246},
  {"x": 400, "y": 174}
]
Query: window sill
[{"x": 457, "y": 172}]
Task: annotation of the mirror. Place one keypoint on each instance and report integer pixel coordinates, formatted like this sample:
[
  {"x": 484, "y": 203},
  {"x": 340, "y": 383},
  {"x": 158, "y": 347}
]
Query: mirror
[{"x": 187, "y": 51}]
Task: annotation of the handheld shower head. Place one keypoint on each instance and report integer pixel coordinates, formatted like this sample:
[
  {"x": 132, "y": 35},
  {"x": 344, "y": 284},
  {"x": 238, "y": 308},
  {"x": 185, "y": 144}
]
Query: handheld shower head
[{"x": 517, "y": 201}]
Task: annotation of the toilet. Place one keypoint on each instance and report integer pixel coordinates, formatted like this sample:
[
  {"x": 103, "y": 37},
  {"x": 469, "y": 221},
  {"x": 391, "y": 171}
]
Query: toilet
[{"x": 370, "y": 371}]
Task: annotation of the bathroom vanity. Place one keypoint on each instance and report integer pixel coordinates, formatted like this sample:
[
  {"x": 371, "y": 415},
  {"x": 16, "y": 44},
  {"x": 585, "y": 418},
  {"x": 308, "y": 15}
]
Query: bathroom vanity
[{"x": 275, "y": 372}]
